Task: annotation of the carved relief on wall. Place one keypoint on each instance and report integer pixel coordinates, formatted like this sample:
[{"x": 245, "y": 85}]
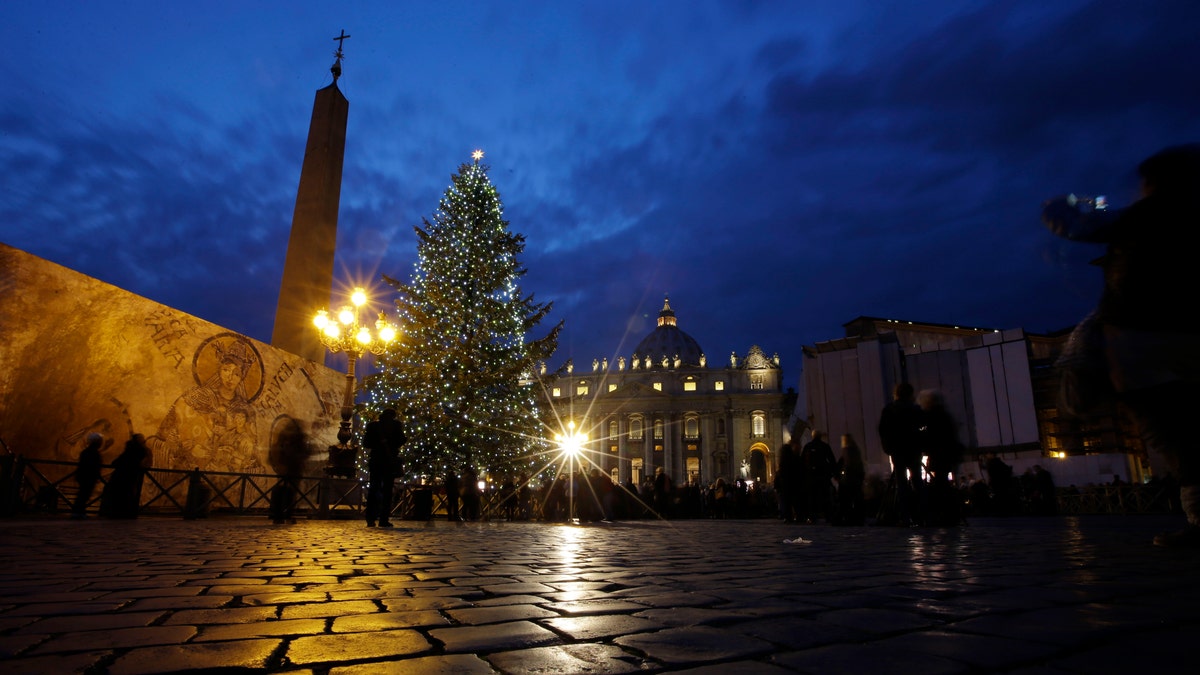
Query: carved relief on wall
[
  {"x": 756, "y": 359},
  {"x": 79, "y": 356},
  {"x": 214, "y": 423}
]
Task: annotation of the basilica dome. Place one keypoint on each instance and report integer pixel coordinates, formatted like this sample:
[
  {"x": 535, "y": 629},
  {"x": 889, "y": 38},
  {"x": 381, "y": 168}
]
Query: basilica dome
[{"x": 669, "y": 342}]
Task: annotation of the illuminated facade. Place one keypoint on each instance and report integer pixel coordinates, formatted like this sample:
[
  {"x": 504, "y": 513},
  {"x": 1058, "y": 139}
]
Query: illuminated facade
[{"x": 668, "y": 406}]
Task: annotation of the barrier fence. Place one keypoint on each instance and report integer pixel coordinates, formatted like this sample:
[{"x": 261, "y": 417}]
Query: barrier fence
[
  {"x": 30, "y": 486},
  {"x": 48, "y": 486}
]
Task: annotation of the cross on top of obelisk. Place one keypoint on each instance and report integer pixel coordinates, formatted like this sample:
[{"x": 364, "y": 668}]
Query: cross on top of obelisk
[{"x": 336, "y": 69}]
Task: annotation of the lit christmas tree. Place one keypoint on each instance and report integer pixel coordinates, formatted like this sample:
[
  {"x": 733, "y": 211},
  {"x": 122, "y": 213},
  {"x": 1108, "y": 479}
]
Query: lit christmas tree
[{"x": 462, "y": 372}]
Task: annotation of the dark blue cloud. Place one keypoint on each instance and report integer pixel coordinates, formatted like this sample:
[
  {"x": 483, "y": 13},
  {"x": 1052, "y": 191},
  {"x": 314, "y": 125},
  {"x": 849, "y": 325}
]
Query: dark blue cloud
[{"x": 776, "y": 168}]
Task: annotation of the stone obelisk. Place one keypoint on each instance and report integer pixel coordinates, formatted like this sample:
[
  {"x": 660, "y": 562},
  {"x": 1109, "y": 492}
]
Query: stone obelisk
[{"x": 308, "y": 268}]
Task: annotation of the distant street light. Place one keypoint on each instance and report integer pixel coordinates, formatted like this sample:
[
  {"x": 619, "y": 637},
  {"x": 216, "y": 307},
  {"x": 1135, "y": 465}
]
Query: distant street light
[
  {"x": 344, "y": 333},
  {"x": 571, "y": 444}
]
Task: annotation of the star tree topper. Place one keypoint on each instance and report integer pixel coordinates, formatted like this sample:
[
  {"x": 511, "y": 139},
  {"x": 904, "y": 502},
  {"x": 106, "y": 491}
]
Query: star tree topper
[{"x": 477, "y": 155}]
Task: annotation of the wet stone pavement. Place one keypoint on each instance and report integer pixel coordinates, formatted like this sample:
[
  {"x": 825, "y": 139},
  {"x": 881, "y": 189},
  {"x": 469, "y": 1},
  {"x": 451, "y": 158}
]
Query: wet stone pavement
[{"x": 1050, "y": 595}]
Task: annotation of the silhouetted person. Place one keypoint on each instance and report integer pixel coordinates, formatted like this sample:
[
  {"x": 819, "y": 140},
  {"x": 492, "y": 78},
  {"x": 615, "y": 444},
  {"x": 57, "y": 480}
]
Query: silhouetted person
[
  {"x": 663, "y": 492},
  {"x": 818, "y": 465},
  {"x": 555, "y": 509},
  {"x": 472, "y": 499},
  {"x": 900, "y": 433},
  {"x": 1047, "y": 496},
  {"x": 852, "y": 474},
  {"x": 288, "y": 454},
  {"x": 631, "y": 500},
  {"x": 1150, "y": 338},
  {"x": 939, "y": 441},
  {"x": 452, "y": 494},
  {"x": 524, "y": 498},
  {"x": 122, "y": 495},
  {"x": 741, "y": 498},
  {"x": 383, "y": 439},
  {"x": 87, "y": 472},
  {"x": 719, "y": 499},
  {"x": 980, "y": 497},
  {"x": 788, "y": 479},
  {"x": 602, "y": 485},
  {"x": 508, "y": 498},
  {"x": 1003, "y": 487}
]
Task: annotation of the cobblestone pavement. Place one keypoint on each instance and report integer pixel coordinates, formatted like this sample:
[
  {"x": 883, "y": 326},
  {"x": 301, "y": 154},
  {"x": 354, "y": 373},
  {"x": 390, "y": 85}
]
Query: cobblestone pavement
[{"x": 1051, "y": 595}]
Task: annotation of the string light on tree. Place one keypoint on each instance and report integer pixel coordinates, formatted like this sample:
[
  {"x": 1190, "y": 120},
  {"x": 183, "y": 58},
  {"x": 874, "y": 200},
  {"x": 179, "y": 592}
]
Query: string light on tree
[{"x": 462, "y": 375}]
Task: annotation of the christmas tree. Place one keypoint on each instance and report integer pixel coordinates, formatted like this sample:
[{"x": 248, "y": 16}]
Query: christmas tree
[{"x": 462, "y": 373}]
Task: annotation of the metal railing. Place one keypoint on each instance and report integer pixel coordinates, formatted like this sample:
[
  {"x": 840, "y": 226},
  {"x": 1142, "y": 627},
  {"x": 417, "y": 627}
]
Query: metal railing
[
  {"x": 1119, "y": 499},
  {"x": 48, "y": 486},
  {"x": 30, "y": 486}
]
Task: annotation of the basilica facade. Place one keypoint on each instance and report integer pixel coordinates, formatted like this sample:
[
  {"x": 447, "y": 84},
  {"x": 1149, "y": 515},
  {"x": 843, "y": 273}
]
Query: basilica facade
[{"x": 667, "y": 406}]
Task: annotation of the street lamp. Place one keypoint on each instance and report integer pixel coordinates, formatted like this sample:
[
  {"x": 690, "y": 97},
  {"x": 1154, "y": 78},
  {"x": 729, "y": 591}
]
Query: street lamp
[
  {"x": 344, "y": 333},
  {"x": 571, "y": 444}
]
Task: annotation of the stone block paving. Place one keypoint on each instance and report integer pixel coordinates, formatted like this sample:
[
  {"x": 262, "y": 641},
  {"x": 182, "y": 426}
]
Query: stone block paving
[{"x": 157, "y": 595}]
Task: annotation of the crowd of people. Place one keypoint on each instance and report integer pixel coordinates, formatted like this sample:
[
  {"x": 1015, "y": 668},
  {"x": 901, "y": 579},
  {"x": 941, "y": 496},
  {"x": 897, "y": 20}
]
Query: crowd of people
[
  {"x": 921, "y": 440},
  {"x": 811, "y": 485},
  {"x": 592, "y": 496}
]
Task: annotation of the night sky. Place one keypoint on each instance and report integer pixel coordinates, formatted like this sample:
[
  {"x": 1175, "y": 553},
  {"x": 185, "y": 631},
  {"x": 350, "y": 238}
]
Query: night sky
[{"x": 777, "y": 168}]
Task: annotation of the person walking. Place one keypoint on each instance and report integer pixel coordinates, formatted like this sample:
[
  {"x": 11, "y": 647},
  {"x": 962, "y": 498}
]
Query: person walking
[
  {"x": 900, "y": 433},
  {"x": 664, "y": 492},
  {"x": 1046, "y": 503},
  {"x": 940, "y": 444},
  {"x": 122, "y": 496},
  {"x": 851, "y": 475},
  {"x": 1148, "y": 338},
  {"x": 817, "y": 462},
  {"x": 472, "y": 506},
  {"x": 87, "y": 473},
  {"x": 383, "y": 439},
  {"x": 452, "y": 490},
  {"x": 288, "y": 454},
  {"x": 787, "y": 483}
]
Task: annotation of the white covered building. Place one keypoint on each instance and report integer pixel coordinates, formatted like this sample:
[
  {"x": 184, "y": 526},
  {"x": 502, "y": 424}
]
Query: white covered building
[{"x": 998, "y": 384}]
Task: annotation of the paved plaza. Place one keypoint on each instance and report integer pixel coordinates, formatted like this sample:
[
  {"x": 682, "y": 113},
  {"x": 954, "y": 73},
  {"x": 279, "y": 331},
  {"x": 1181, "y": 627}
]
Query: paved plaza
[{"x": 237, "y": 594}]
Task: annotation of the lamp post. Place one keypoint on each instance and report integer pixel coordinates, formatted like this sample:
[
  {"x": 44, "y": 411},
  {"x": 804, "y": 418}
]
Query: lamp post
[
  {"x": 571, "y": 444},
  {"x": 343, "y": 332}
]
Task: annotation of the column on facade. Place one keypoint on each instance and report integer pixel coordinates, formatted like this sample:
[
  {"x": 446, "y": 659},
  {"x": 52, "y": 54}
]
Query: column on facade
[
  {"x": 655, "y": 458},
  {"x": 624, "y": 466},
  {"x": 707, "y": 436},
  {"x": 679, "y": 452},
  {"x": 647, "y": 447},
  {"x": 671, "y": 431},
  {"x": 739, "y": 432},
  {"x": 663, "y": 458}
]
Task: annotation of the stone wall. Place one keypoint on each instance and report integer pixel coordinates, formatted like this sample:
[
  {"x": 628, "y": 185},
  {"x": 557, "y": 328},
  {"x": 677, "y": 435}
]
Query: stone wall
[{"x": 78, "y": 355}]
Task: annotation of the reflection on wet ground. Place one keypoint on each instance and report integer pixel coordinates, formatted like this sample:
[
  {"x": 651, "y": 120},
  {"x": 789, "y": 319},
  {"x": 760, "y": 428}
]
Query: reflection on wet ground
[{"x": 1075, "y": 594}]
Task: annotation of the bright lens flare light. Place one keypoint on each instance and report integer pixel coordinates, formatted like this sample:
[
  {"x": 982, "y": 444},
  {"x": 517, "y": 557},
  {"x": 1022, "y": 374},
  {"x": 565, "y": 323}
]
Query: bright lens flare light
[
  {"x": 341, "y": 331},
  {"x": 571, "y": 442}
]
